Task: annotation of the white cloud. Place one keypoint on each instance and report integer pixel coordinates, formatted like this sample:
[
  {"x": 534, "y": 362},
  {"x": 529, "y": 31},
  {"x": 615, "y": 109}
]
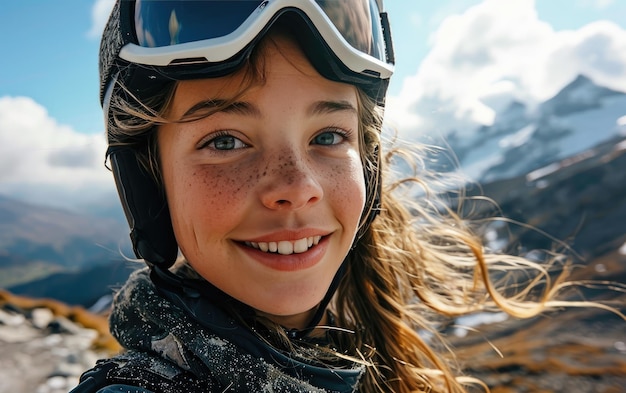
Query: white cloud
[
  {"x": 100, "y": 12},
  {"x": 37, "y": 153},
  {"x": 494, "y": 53}
]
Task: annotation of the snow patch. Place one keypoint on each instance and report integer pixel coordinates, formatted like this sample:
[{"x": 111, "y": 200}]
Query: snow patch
[
  {"x": 519, "y": 138},
  {"x": 466, "y": 323},
  {"x": 542, "y": 172},
  {"x": 622, "y": 249},
  {"x": 620, "y": 146}
]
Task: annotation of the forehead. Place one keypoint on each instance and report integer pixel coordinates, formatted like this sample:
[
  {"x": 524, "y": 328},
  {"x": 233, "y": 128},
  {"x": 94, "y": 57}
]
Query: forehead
[{"x": 278, "y": 67}]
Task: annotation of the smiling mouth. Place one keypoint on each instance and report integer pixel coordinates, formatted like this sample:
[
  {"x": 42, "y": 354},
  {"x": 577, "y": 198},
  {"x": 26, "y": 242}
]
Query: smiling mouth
[{"x": 286, "y": 247}]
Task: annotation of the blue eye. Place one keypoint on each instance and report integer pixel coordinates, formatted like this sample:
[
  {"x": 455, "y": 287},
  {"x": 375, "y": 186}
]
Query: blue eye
[
  {"x": 225, "y": 142},
  {"x": 328, "y": 138}
]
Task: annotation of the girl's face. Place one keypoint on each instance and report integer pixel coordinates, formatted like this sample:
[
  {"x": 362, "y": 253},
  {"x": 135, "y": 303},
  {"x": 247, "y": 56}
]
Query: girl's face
[{"x": 266, "y": 194}]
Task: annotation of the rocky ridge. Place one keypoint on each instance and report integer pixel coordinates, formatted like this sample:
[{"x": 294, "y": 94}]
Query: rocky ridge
[{"x": 45, "y": 345}]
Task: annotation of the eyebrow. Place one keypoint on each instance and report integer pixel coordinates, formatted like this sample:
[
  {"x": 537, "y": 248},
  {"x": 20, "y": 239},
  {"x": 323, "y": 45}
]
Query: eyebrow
[
  {"x": 240, "y": 107},
  {"x": 324, "y": 107}
]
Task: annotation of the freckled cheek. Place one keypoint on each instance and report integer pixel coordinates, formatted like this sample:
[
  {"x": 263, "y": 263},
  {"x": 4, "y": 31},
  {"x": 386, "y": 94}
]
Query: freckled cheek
[
  {"x": 209, "y": 194},
  {"x": 348, "y": 189}
]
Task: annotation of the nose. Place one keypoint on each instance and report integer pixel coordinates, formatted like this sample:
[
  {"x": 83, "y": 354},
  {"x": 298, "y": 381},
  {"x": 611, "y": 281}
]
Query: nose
[{"x": 290, "y": 183}]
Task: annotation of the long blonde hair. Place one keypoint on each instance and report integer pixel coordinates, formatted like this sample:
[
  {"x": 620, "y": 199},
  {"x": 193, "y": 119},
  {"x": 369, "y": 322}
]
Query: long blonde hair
[
  {"x": 420, "y": 260},
  {"x": 423, "y": 262}
]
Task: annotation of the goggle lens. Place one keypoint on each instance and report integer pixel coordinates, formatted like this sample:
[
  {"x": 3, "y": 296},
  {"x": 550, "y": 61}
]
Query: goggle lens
[{"x": 160, "y": 23}]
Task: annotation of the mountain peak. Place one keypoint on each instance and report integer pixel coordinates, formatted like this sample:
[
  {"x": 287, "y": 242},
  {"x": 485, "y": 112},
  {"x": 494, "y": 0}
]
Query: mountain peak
[{"x": 579, "y": 95}]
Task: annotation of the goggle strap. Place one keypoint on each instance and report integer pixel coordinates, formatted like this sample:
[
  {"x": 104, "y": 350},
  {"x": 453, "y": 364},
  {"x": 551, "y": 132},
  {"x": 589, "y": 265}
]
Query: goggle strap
[{"x": 389, "y": 52}]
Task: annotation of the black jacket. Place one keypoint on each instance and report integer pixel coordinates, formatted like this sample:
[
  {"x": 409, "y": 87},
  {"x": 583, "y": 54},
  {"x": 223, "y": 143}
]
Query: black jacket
[{"x": 177, "y": 340}]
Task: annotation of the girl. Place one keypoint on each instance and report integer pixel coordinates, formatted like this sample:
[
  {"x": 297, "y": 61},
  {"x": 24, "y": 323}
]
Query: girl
[{"x": 244, "y": 138}]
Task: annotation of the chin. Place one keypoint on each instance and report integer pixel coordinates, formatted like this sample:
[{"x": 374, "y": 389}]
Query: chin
[{"x": 290, "y": 315}]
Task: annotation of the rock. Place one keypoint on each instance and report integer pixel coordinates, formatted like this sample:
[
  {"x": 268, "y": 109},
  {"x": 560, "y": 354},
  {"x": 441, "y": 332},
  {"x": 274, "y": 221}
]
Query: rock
[
  {"x": 17, "y": 333},
  {"x": 41, "y": 317},
  {"x": 43, "y": 353},
  {"x": 63, "y": 325},
  {"x": 11, "y": 318},
  {"x": 68, "y": 369},
  {"x": 57, "y": 384}
]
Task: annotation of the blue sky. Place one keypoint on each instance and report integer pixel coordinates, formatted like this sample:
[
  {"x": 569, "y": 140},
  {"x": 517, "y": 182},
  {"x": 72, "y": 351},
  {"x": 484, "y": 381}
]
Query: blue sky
[{"x": 49, "y": 59}]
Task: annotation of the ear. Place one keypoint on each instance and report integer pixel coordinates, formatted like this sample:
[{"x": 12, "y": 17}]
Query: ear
[{"x": 145, "y": 206}]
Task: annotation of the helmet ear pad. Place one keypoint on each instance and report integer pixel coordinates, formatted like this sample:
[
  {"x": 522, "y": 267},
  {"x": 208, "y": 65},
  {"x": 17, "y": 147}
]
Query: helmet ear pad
[{"x": 145, "y": 207}]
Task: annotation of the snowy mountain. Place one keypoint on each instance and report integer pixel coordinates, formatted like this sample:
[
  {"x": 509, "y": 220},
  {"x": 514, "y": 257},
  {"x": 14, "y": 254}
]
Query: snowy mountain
[{"x": 523, "y": 139}]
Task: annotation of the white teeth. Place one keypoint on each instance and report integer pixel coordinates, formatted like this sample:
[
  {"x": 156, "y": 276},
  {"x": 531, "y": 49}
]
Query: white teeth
[
  {"x": 300, "y": 246},
  {"x": 285, "y": 247}
]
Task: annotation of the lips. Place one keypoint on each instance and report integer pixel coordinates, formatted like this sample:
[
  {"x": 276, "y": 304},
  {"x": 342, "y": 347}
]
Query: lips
[{"x": 286, "y": 247}]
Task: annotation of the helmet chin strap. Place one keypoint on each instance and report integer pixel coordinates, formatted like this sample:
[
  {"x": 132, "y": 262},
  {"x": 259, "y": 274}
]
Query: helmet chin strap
[
  {"x": 334, "y": 285},
  {"x": 321, "y": 308}
]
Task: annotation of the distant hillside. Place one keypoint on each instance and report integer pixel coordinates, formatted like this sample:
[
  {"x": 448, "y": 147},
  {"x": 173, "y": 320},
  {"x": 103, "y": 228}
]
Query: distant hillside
[
  {"x": 36, "y": 241},
  {"x": 82, "y": 288}
]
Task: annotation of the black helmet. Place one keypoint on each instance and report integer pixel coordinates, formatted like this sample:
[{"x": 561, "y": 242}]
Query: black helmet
[{"x": 148, "y": 43}]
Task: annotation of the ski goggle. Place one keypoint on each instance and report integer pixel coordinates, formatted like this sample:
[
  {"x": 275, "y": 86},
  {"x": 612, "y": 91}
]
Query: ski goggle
[{"x": 207, "y": 32}]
